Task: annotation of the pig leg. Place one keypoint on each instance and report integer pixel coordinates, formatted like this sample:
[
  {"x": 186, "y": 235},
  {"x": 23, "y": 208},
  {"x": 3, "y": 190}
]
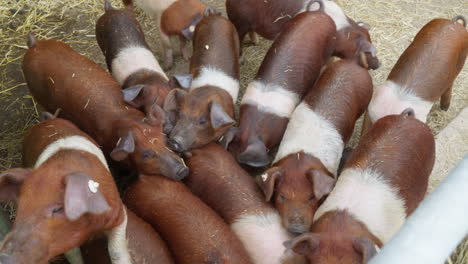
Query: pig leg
[
  {"x": 446, "y": 99},
  {"x": 74, "y": 256},
  {"x": 253, "y": 37},
  {"x": 167, "y": 50},
  {"x": 184, "y": 48}
]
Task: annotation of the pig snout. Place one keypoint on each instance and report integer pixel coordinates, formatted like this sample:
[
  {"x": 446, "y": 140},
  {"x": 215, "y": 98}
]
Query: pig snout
[
  {"x": 255, "y": 155},
  {"x": 181, "y": 138},
  {"x": 177, "y": 144},
  {"x": 174, "y": 167},
  {"x": 297, "y": 223}
]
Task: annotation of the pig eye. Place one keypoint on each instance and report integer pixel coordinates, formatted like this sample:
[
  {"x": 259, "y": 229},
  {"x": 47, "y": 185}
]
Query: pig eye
[
  {"x": 281, "y": 198},
  {"x": 57, "y": 210},
  {"x": 202, "y": 121},
  {"x": 148, "y": 154}
]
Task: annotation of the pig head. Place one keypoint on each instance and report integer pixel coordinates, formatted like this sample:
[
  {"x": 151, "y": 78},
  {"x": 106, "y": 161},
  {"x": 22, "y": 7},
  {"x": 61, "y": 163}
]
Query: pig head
[
  {"x": 354, "y": 42},
  {"x": 298, "y": 184},
  {"x": 57, "y": 211},
  {"x": 203, "y": 115},
  {"x": 333, "y": 248},
  {"x": 143, "y": 144}
]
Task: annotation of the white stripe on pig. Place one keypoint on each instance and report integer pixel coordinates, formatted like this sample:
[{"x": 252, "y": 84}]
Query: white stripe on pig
[
  {"x": 309, "y": 132},
  {"x": 215, "y": 77},
  {"x": 367, "y": 196},
  {"x": 117, "y": 243},
  {"x": 392, "y": 99},
  {"x": 271, "y": 98},
  {"x": 74, "y": 143},
  {"x": 262, "y": 236},
  {"x": 131, "y": 59}
]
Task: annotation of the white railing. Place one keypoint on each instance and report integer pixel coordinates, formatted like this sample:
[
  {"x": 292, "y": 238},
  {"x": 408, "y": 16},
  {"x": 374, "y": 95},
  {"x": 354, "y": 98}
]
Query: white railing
[{"x": 435, "y": 229}]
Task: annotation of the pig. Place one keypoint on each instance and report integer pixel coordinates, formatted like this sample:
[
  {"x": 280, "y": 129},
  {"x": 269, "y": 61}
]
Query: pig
[
  {"x": 65, "y": 195},
  {"x": 382, "y": 183},
  {"x": 424, "y": 73},
  {"x": 192, "y": 230},
  {"x": 144, "y": 244},
  {"x": 222, "y": 184},
  {"x": 60, "y": 78},
  {"x": 206, "y": 112},
  {"x": 292, "y": 65},
  {"x": 269, "y": 18},
  {"x": 174, "y": 18},
  {"x": 305, "y": 167},
  {"x": 129, "y": 58}
]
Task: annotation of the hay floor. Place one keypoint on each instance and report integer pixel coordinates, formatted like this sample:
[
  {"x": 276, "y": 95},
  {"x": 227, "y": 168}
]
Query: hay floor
[{"x": 394, "y": 25}]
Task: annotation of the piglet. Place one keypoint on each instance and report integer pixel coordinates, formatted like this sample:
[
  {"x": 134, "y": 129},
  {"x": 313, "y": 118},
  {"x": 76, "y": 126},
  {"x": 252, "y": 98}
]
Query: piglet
[
  {"x": 129, "y": 58},
  {"x": 269, "y": 18},
  {"x": 305, "y": 167},
  {"x": 224, "y": 186},
  {"x": 174, "y": 18},
  {"x": 292, "y": 65},
  {"x": 206, "y": 112},
  {"x": 65, "y": 195},
  {"x": 424, "y": 73},
  {"x": 192, "y": 230},
  {"x": 383, "y": 182},
  {"x": 144, "y": 245},
  {"x": 59, "y": 77}
]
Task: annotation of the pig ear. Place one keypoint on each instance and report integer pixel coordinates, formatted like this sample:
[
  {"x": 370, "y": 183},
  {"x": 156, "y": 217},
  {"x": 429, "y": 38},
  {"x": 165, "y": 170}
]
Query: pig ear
[
  {"x": 189, "y": 31},
  {"x": 365, "y": 247},
  {"x": 181, "y": 81},
  {"x": 303, "y": 244},
  {"x": 268, "y": 181},
  {"x": 364, "y": 25},
  {"x": 228, "y": 137},
  {"x": 10, "y": 183},
  {"x": 131, "y": 93},
  {"x": 174, "y": 99},
  {"x": 82, "y": 195},
  {"x": 219, "y": 117},
  {"x": 323, "y": 184},
  {"x": 125, "y": 146},
  {"x": 155, "y": 115}
]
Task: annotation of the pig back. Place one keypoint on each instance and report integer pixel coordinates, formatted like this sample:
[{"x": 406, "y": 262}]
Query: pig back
[
  {"x": 402, "y": 149},
  {"x": 297, "y": 55},
  {"x": 219, "y": 181},
  {"x": 215, "y": 44},
  {"x": 59, "y": 77},
  {"x": 193, "y": 231},
  {"x": 41, "y": 135},
  {"x": 430, "y": 64},
  {"x": 341, "y": 95}
]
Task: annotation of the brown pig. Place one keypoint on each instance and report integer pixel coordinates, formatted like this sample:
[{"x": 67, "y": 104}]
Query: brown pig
[
  {"x": 192, "y": 230},
  {"x": 130, "y": 59},
  {"x": 306, "y": 164},
  {"x": 144, "y": 245},
  {"x": 224, "y": 186},
  {"x": 60, "y": 78},
  {"x": 290, "y": 67},
  {"x": 424, "y": 73},
  {"x": 65, "y": 196},
  {"x": 269, "y": 18},
  {"x": 206, "y": 112},
  {"x": 174, "y": 18},
  {"x": 383, "y": 182}
]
